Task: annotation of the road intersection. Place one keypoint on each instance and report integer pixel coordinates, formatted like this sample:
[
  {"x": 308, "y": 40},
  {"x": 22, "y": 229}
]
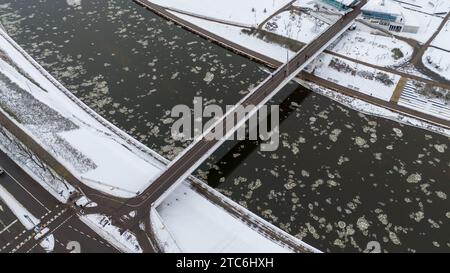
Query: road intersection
[{"x": 61, "y": 220}]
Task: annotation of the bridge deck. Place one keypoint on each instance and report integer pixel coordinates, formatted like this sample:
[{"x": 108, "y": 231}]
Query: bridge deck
[{"x": 196, "y": 153}]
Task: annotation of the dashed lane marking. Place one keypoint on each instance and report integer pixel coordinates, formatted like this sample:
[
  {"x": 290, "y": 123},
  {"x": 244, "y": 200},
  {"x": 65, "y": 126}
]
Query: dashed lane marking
[
  {"x": 32, "y": 234},
  {"x": 52, "y": 231},
  {"x": 89, "y": 236}
]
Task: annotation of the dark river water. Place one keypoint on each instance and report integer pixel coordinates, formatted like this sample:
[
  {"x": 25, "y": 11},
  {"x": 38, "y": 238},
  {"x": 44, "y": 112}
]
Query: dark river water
[{"x": 339, "y": 179}]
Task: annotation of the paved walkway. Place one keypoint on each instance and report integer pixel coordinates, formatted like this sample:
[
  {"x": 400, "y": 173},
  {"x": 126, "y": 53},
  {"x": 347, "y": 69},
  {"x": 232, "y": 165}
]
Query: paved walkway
[
  {"x": 398, "y": 90},
  {"x": 282, "y": 9}
]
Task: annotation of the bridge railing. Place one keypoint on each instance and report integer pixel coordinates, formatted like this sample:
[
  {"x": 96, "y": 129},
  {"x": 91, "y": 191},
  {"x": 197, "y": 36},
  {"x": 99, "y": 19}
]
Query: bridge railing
[{"x": 240, "y": 102}]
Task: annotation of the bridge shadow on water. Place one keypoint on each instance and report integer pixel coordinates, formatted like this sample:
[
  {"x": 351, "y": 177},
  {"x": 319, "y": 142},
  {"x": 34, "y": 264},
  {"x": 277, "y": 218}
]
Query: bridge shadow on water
[{"x": 225, "y": 156}]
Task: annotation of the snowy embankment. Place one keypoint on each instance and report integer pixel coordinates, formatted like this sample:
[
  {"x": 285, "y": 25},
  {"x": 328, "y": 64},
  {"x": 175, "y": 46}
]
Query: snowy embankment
[
  {"x": 187, "y": 222},
  {"x": 125, "y": 241},
  {"x": 94, "y": 154},
  {"x": 371, "y": 109},
  {"x": 28, "y": 220},
  {"x": 236, "y": 35},
  {"x": 438, "y": 61},
  {"x": 249, "y": 12},
  {"x": 34, "y": 167}
]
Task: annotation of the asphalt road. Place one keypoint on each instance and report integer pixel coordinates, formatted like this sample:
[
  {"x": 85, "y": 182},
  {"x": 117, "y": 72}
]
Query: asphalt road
[
  {"x": 71, "y": 235},
  {"x": 10, "y": 226},
  {"x": 172, "y": 174}
]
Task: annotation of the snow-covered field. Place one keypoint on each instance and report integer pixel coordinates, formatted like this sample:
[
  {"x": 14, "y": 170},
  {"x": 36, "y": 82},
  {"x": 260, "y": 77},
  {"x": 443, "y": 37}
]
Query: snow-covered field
[
  {"x": 196, "y": 225},
  {"x": 438, "y": 61},
  {"x": 442, "y": 40},
  {"x": 250, "y": 12},
  {"x": 85, "y": 147},
  {"x": 301, "y": 27},
  {"x": 235, "y": 34},
  {"x": 355, "y": 76},
  {"x": 372, "y": 48},
  {"x": 427, "y": 6},
  {"x": 428, "y": 25}
]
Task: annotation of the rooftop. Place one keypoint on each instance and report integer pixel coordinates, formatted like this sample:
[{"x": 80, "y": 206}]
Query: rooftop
[{"x": 383, "y": 6}]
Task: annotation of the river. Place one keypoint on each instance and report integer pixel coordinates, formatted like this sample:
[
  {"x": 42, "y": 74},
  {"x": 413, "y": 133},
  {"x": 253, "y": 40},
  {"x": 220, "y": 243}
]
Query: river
[{"x": 339, "y": 179}]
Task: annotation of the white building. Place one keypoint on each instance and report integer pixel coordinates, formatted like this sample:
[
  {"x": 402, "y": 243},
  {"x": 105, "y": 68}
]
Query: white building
[{"x": 389, "y": 15}]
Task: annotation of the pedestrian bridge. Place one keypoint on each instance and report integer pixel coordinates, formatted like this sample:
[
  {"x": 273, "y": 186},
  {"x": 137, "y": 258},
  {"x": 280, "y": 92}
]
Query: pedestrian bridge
[{"x": 202, "y": 147}]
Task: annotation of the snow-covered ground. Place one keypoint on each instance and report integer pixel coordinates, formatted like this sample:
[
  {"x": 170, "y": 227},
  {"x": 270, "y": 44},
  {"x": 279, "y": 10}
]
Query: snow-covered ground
[
  {"x": 442, "y": 40},
  {"x": 250, "y": 12},
  {"x": 428, "y": 25},
  {"x": 412, "y": 97},
  {"x": 301, "y": 27},
  {"x": 376, "y": 49},
  {"x": 359, "y": 44},
  {"x": 127, "y": 172},
  {"x": 308, "y": 4},
  {"x": 31, "y": 164},
  {"x": 93, "y": 153},
  {"x": 438, "y": 61},
  {"x": 28, "y": 220},
  {"x": 427, "y": 6},
  {"x": 363, "y": 43},
  {"x": 101, "y": 224},
  {"x": 355, "y": 76},
  {"x": 375, "y": 110},
  {"x": 197, "y": 225},
  {"x": 235, "y": 34}
]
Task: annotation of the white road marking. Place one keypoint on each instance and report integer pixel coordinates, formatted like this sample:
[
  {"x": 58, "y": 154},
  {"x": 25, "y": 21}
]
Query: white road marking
[
  {"x": 73, "y": 247},
  {"x": 89, "y": 236},
  {"x": 7, "y": 227},
  {"x": 52, "y": 231},
  {"x": 15, "y": 180},
  {"x": 31, "y": 236}
]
